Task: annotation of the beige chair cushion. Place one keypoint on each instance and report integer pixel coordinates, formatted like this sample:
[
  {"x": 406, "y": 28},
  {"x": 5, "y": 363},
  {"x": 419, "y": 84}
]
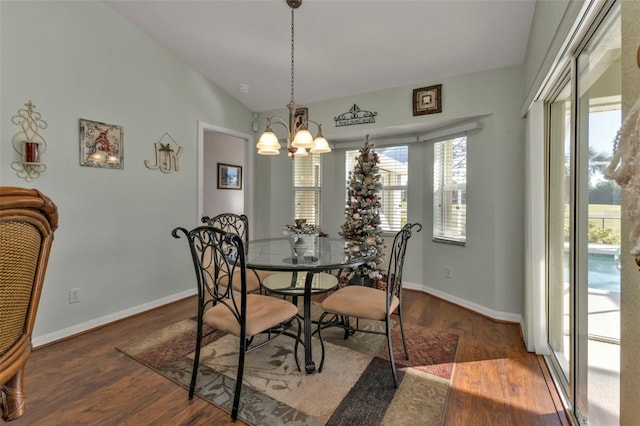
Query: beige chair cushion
[
  {"x": 263, "y": 312},
  {"x": 253, "y": 284},
  {"x": 359, "y": 301},
  {"x": 321, "y": 282},
  {"x": 261, "y": 274}
]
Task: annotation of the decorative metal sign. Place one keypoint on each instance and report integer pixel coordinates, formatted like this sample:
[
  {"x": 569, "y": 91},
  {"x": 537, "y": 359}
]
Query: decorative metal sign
[
  {"x": 167, "y": 159},
  {"x": 355, "y": 116}
]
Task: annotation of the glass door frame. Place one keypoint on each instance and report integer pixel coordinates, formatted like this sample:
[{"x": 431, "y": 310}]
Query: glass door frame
[{"x": 573, "y": 390}]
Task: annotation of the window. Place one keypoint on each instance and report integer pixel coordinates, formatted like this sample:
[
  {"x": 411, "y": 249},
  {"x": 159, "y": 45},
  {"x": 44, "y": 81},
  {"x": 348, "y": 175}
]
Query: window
[
  {"x": 450, "y": 190},
  {"x": 307, "y": 180},
  {"x": 394, "y": 176}
]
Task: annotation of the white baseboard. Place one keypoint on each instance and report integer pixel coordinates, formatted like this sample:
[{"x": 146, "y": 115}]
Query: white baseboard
[
  {"x": 107, "y": 319},
  {"x": 116, "y": 316},
  {"x": 496, "y": 315}
]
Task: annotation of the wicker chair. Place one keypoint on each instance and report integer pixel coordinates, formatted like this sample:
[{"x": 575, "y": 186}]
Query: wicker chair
[{"x": 27, "y": 222}]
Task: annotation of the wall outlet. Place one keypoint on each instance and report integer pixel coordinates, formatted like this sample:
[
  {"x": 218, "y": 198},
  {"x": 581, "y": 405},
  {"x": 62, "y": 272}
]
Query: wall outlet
[
  {"x": 448, "y": 272},
  {"x": 74, "y": 295}
]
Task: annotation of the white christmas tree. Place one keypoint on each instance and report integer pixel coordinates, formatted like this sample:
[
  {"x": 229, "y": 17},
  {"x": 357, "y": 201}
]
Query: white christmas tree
[{"x": 362, "y": 229}]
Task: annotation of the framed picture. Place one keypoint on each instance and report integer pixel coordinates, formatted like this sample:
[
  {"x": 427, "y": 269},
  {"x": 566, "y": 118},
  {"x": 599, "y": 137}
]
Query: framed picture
[
  {"x": 427, "y": 100},
  {"x": 101, "y": 145},
  {"x": 301, "y": 117},
  {"x": 229, "y": 177}
]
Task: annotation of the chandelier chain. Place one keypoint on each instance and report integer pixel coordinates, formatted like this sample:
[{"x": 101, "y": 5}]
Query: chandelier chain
[{"x": 292, "y": 48}]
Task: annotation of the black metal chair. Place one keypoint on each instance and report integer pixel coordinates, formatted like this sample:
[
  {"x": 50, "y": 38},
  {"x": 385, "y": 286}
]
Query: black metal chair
[
  {"x": 219, "y": 259},
  {"x": 371, "y": 303},
  {"x": 239, "y": 224}
]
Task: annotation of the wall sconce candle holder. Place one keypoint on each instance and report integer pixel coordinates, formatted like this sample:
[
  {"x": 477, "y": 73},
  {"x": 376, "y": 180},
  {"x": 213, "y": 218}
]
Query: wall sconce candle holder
[{"x": 29, "y": 143}]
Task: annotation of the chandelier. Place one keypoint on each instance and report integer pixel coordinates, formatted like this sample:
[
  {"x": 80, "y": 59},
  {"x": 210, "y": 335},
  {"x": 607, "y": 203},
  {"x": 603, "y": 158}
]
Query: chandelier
[{"x": 299, "y": 138}]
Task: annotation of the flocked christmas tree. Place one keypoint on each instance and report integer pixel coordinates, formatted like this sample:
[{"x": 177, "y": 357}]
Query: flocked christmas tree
[{"x": 362, "y": 229}]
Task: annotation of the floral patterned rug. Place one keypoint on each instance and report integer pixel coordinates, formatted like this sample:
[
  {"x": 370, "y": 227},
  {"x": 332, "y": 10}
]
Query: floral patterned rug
[{"x": 355, "y": 386}]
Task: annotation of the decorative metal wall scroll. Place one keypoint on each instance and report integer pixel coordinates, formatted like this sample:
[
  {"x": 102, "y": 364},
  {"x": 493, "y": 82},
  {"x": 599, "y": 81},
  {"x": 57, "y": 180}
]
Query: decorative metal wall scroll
[
  {"x": 167, "y": 158},
  {"x": 101, "y": 145},
  {"x": 355, "y": 116},
  {"x": 29, "y": 143}
]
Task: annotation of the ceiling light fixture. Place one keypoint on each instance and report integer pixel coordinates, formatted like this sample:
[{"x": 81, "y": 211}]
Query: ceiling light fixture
[{"x": 299, "y": 138}]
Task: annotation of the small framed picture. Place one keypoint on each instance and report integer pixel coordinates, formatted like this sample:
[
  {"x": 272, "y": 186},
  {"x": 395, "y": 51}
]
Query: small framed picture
[
  {"x": 101, "y": 145},
  {"x": 301, "y": 118},
  {"x": 427, "y": 100},
  {"x": 229, "y": 176}
]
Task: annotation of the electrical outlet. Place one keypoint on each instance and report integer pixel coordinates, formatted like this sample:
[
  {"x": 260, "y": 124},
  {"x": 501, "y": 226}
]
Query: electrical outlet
[
  {"x": 448, "y": 272},
  {"x": 74, "y": 295}
]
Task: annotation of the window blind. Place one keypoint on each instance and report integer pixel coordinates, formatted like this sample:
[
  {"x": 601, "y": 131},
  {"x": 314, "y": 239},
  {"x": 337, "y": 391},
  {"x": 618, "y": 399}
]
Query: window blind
[
  {"x": 307, "y": 184},
  {"x": 450, "y": 190},
  {"x": 394, "y": 175}
]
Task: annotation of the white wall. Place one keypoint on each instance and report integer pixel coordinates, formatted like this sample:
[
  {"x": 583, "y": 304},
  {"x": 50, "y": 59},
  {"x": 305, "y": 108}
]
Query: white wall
[
  {"x": 81, "y": 60},
  {"x": 488, "y": 272}
]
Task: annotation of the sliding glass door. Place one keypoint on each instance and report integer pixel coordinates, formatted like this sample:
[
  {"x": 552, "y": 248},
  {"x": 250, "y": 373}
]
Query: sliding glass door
[
  {"x": 560, "y": 242},
  {"x": 584, "y": 228}
]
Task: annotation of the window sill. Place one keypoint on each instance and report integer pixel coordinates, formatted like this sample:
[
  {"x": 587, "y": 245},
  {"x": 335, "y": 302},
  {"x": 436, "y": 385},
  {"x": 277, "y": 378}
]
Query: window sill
[{"x": 452, "y": 242}]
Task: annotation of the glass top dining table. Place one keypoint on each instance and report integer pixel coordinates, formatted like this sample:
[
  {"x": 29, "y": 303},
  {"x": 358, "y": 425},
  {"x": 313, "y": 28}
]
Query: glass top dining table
[{"x": 306, "y": 253}]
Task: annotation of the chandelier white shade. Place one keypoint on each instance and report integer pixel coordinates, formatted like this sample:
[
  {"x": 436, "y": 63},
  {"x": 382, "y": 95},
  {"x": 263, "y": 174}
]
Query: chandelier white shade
[{"x": 300, "y": 141}]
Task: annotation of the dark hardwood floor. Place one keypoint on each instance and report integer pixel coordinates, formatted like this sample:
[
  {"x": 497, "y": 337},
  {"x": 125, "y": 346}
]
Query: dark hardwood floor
[{"x": 86, "y": 381}]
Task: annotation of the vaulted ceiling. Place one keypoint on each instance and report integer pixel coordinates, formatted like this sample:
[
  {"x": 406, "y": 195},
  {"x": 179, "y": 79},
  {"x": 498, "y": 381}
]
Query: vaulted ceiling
[{"x": 342, "y": 47}]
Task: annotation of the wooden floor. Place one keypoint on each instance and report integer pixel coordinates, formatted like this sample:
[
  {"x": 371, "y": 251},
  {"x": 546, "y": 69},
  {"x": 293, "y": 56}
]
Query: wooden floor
[{"x": 86, "y": 381}]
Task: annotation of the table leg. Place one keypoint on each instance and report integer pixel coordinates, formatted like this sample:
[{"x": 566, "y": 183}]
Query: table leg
[
  {"x": 310, "y": 366},
  {"x": 294, "y": 280}
]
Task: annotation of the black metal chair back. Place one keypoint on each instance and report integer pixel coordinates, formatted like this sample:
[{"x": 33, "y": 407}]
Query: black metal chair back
[
  {"x": 396, "y": 261},
  {"x": 230, "y": 222},
  {"x": 219, "y": 259},
  {"x": 348, "y": 301},
  {"x": 216, "y": 256},
  {"x": 239, "y": 224}
]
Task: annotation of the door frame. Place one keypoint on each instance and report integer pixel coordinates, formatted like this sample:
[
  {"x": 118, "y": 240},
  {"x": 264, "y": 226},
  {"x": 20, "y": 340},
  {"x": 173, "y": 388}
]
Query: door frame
[{"x": 247, "y": 170}]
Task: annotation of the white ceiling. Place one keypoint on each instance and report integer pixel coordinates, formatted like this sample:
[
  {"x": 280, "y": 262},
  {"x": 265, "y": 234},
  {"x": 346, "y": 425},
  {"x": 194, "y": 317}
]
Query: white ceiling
[{"x": 342, "y": 47}]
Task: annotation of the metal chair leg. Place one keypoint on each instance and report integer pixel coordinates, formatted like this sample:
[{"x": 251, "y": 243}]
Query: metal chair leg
[
  {"x": 196, "y": 362},
  {"x": 236, "y": 396},
  {"x": 295, "y": 346},
  {"x": 404, "y": 339},
  {"x": 391, "y": 360}
]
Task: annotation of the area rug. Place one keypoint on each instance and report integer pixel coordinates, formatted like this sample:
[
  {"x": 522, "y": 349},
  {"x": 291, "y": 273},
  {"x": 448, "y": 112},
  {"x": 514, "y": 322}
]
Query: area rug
[{"x": 355, "y": 386}]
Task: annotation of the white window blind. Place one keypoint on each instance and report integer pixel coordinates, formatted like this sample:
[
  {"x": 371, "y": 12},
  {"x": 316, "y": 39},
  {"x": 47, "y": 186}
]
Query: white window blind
[
  {"x": 307, "y": 184},
  {"x": 450, "y": 190},
  {"x": 394, "y": 175}
]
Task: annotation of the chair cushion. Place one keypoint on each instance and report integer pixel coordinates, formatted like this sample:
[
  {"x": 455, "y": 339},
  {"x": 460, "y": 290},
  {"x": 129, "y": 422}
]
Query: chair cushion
[
  {"x": 321, "y": 282},
  {"x": 263, "y": 312},
  {"x": 359, "y": 301},
  {"x": 253, "y": 284},
  {"x": 261, "y": 274}
]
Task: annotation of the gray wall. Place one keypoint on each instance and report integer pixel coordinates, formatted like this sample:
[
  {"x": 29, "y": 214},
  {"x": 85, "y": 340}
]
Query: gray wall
[
  {"x": 87, "y": 62},
  {"x": 488, "y": 272},
  {"x": 81, "y": 60}
]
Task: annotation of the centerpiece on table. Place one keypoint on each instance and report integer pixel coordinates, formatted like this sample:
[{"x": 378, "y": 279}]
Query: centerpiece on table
[{"x": 303, "y": 235}]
